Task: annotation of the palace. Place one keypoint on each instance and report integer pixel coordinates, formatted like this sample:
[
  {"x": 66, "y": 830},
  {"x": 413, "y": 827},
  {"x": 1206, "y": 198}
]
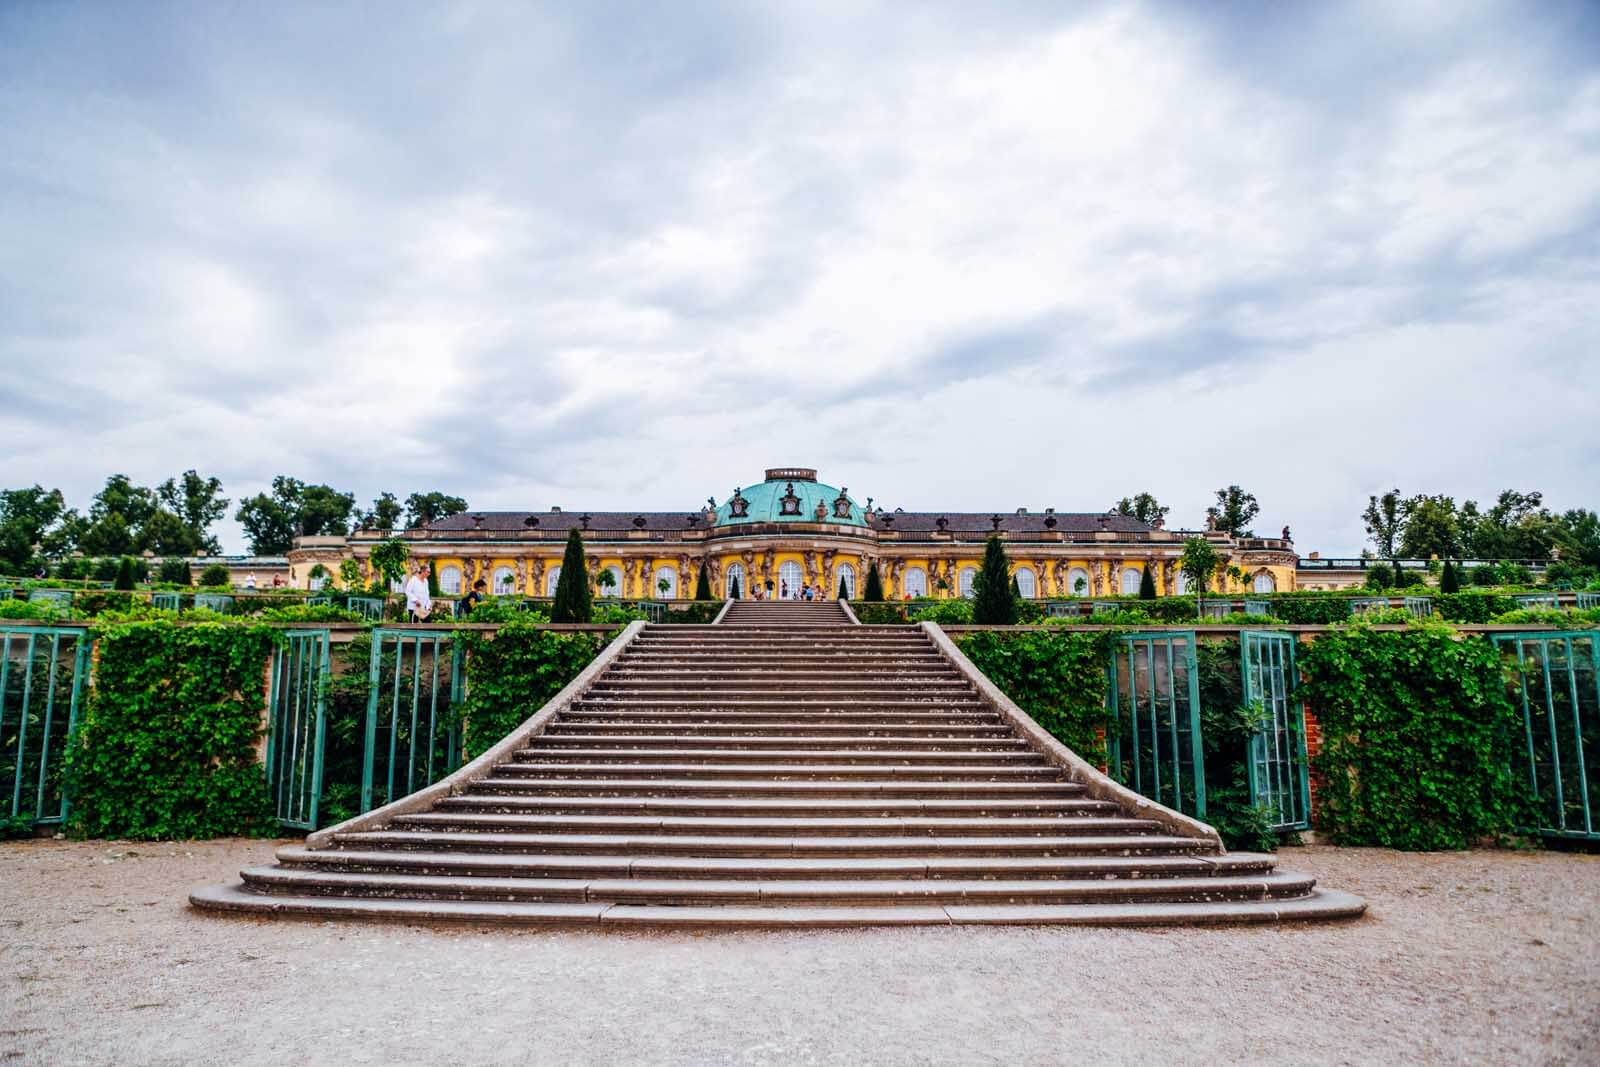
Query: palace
[{"x": 790, "y": 530}]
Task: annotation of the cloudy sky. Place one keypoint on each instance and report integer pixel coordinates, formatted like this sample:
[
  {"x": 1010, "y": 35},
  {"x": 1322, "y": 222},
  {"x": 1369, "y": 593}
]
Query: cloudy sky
[{"x": 958, "y": 256}]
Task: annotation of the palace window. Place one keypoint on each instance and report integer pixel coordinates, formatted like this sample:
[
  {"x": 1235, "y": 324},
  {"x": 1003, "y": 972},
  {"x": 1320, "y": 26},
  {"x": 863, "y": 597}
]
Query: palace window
[
  {"x": 915, "y": 582},
  {"x": 847, "y": 577},
  {"x": 504, "y": 582},
  {"x": 1183, "y": 584},
  {"x": 615, "y": 588},
  {"x": 789, "y": 580},
  {"x": 1130, "y": 580},
  {"x": 1264, "y": 583},
  {"x": 670, "y": 576},
  {"x": 1077, "y": 582},
  {"x": 1027, "y": 585},
  {"x": 735, "y": 573},
  {"x": 450, "y": 580},
  {"x": 968, "y": 576},
  {"x": 551, "y": 578}
]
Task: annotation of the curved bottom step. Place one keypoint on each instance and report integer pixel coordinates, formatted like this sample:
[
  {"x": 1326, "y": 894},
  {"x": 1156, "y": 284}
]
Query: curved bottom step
[{"x": 1320, "y": 904}]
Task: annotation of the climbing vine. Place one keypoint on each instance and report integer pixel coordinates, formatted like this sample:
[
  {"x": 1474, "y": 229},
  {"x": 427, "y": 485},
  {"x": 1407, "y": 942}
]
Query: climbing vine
[
  {"x": 1056, "y": 676},
  {"x": 167, "y": 747},
  {"x": 1418, "y": 738},
  {"x": 514, "y": 672}
]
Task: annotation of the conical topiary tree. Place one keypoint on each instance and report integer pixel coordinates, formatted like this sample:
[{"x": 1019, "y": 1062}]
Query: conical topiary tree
[
  {"x": 572, "y": 588},
  {"x": 433, "y": 579},
  {"x": 702, "y": 585},
  {"x": 127, "y": 575},
  {"x": 993, "y": 603},
  {"x": 1147, "y": 586},
  {"x": 1448, "y": 581},
  {"x": 874, "y": 589},
  {"x": 844, "y": 590},
  {"x": 733, "y": 588}
]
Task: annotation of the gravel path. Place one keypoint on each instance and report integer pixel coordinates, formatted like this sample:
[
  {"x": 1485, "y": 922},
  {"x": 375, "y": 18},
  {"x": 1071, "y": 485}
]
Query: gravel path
[{"x": 1475, "y": 957}]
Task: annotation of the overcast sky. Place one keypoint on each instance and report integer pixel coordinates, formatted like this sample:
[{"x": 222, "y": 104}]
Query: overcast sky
[{"x": 963, "y": 256}]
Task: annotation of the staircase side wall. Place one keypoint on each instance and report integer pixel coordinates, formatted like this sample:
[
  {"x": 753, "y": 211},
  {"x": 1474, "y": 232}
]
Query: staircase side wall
[
  {"x": 1097, "y": 784},
  {"x": 453, "y": 784}
]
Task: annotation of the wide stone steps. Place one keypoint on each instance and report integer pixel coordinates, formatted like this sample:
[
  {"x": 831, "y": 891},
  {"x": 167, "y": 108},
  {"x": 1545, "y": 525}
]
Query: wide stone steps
[
  {"x": 768, "y": 769},
  {"x": 684, "y": 844},
  {"x": 781, "y": 768},
  {"x": 677, "y": 892}
]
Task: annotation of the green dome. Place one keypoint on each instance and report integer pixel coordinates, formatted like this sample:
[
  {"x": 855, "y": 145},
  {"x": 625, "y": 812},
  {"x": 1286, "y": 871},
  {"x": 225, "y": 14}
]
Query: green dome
[{"x": 764, "y": 502}]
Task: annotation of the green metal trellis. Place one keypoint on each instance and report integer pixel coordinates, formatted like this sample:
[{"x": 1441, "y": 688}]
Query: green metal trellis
[
  {"x": 1368, "y": 603},
  {"x": 418, "y": 677},
  {"x": 1279, "y": 775},
  {"x": 1258, "y": 607},
  {"x": 1537, "y": 600},
  {"x": 1558, "y": 687},
  {"x": 221, "y": 603},
  {"x": 1588, "y": 600},
  {"x": 297, "y": 725},
  {"x": 43, "y": 671},
  {"x": 1420, "y": 606},
  {"x": 62, "y": 597},
  {"x": 370, "y": 607},
  {"x": 1153, "y": 702},
  {"x": 166, "y": 601}
]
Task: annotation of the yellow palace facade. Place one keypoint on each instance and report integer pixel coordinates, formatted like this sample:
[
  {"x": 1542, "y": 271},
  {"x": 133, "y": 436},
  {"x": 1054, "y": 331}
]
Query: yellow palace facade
[{"x": 789, "y": 531}]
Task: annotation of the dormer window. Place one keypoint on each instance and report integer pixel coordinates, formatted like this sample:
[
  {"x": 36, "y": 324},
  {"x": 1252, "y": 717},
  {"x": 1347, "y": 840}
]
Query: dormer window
[
  {"x": 789, "y": 504},
  {"x": 841, "y": 505},
  {"x": 738, "y": 506}
]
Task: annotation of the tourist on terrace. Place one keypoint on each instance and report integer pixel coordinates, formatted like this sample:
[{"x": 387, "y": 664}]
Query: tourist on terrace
[
  {"x": 418, "y": 602},
  {"x": 472, "y": 599},
  {"x": 808, "y": 592},
  {"x": 783, "y": 590},
  {"x": 250, "y": 581}
]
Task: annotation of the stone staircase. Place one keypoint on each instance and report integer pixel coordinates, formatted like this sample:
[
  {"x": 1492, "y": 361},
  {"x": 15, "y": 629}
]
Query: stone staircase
[{"x": 781, "y": 768}]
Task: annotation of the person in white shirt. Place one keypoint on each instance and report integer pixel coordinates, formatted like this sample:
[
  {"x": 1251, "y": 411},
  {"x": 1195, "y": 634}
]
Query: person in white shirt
[
  {"x": 250, "y": 581},
  {"x": 418, "y": 602}
]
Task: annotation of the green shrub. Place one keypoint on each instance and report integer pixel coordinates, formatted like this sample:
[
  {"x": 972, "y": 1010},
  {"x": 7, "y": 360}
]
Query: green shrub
[
  {"x": 309, "y": 613},
  {"x": 1474, "y": 607},
  {"x": 39, "y": 611},
  {"x": 1227, "y": 725},
  {"x": 127, "y": 575},
  {"x": 945, "y": 612},
  {"x": 1056, "y": 676},
  {"x": 1380, "y": 578},
  {"x": 104, "y": 570},
  {"x": 512, "y": 673},
  {"x": 1311, "y": 610},
  {"x": 167, "y": 744},
  {"x": 879, "y": 614},
  {"x": 1567, "y": 618},
  {"x": 993, "y": 603},
  {"x": 1419, "y": 738},
  {"x": 1485, "y": 575},
  {"x": 175, "y": 572},
  {"x": 214, "y": 576}
]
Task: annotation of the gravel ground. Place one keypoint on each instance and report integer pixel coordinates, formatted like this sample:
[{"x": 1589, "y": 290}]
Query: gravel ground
[{"x": 1481, "y": 957}]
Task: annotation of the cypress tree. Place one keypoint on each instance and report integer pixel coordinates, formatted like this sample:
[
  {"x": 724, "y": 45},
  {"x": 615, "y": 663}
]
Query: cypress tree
[
  {"x": 733, "y": 588},
  {"x": 993, "y": 602},
  {"x": 1016, "y": 588},
  {"x": 1147, "y": 585},
  {"x": 572, "y": 588},
  {"x": 433, "y": 579},
  {"x": 702, "y": 585},
  {"x": 874, "y": 590},
  {"x": 1399, "y": 576},
  {"x": 126, "y": 575},
  {"x": 844, "y": 593},
  {"x": 1448, "y": 582}
]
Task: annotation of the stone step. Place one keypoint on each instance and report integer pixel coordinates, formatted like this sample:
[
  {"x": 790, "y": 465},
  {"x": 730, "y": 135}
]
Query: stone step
[
  {"x": 815, "y": 892},
  {"x": 1320, "y": 904},
  {"x": 854, "y": 807},
  {"x": 821, "y": 720},
  {"x": 649, "y": 757},
  {"x": 755, "y": 688},
  {"x": 918, "y": 742},
  {"x": 777, "y": 826},
  {"x": 805, "y": 706},
  {"x": 774, "y": 845},
  {"x": 773, "y": 728},
  {"x": 665, "y": 676},
  {"x": 509, "y": 864},
  {"x": 701, "y": 787},
  {"x": 970, "y": 772}
]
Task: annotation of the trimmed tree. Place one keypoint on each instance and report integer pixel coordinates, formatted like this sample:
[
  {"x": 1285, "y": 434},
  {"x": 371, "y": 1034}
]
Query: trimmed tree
[
  {"x": 433, "y": 579},
  {"x": 993, "y": 603},
  {"x": 733, "y": 588},
  {"x": 127, "y": 575},
  {"x": 1448, "y": 582},
  {"x": 702, "y": 585},
  {"x": 874, "y": 589},
  {"x": 175, "y": 572},
  {"x": 844, "y": 591},
  {"x": 1147, "y": 585},
  {"x": 214, "y": 576},
  {"x": 572, "y": 588}
]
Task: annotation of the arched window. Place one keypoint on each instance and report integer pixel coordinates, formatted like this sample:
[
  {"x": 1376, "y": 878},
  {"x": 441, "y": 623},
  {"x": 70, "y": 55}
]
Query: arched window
[
  {"x": 1027, "y": 585},
  {"x": 1264, "y": 583},
  {"x": 504, "y": 582},
  {"x": 790, "y": 579},
  {"x": 735, "y": 572},
  {"x": 845, "y": 575},
  {"x": 450, "y": 579},
  {"x": 1077, "y": 582},
  {"x": 551, "y": 578},
  {"x": 915, "y": 582},
  {"x": 670, "y": 576},
  {"x": 615, "y": 588},
  {"x": 1182, "y": 583},
  {"x": 968, "y": 576},
  {"x": 1130, "y": 580}
]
